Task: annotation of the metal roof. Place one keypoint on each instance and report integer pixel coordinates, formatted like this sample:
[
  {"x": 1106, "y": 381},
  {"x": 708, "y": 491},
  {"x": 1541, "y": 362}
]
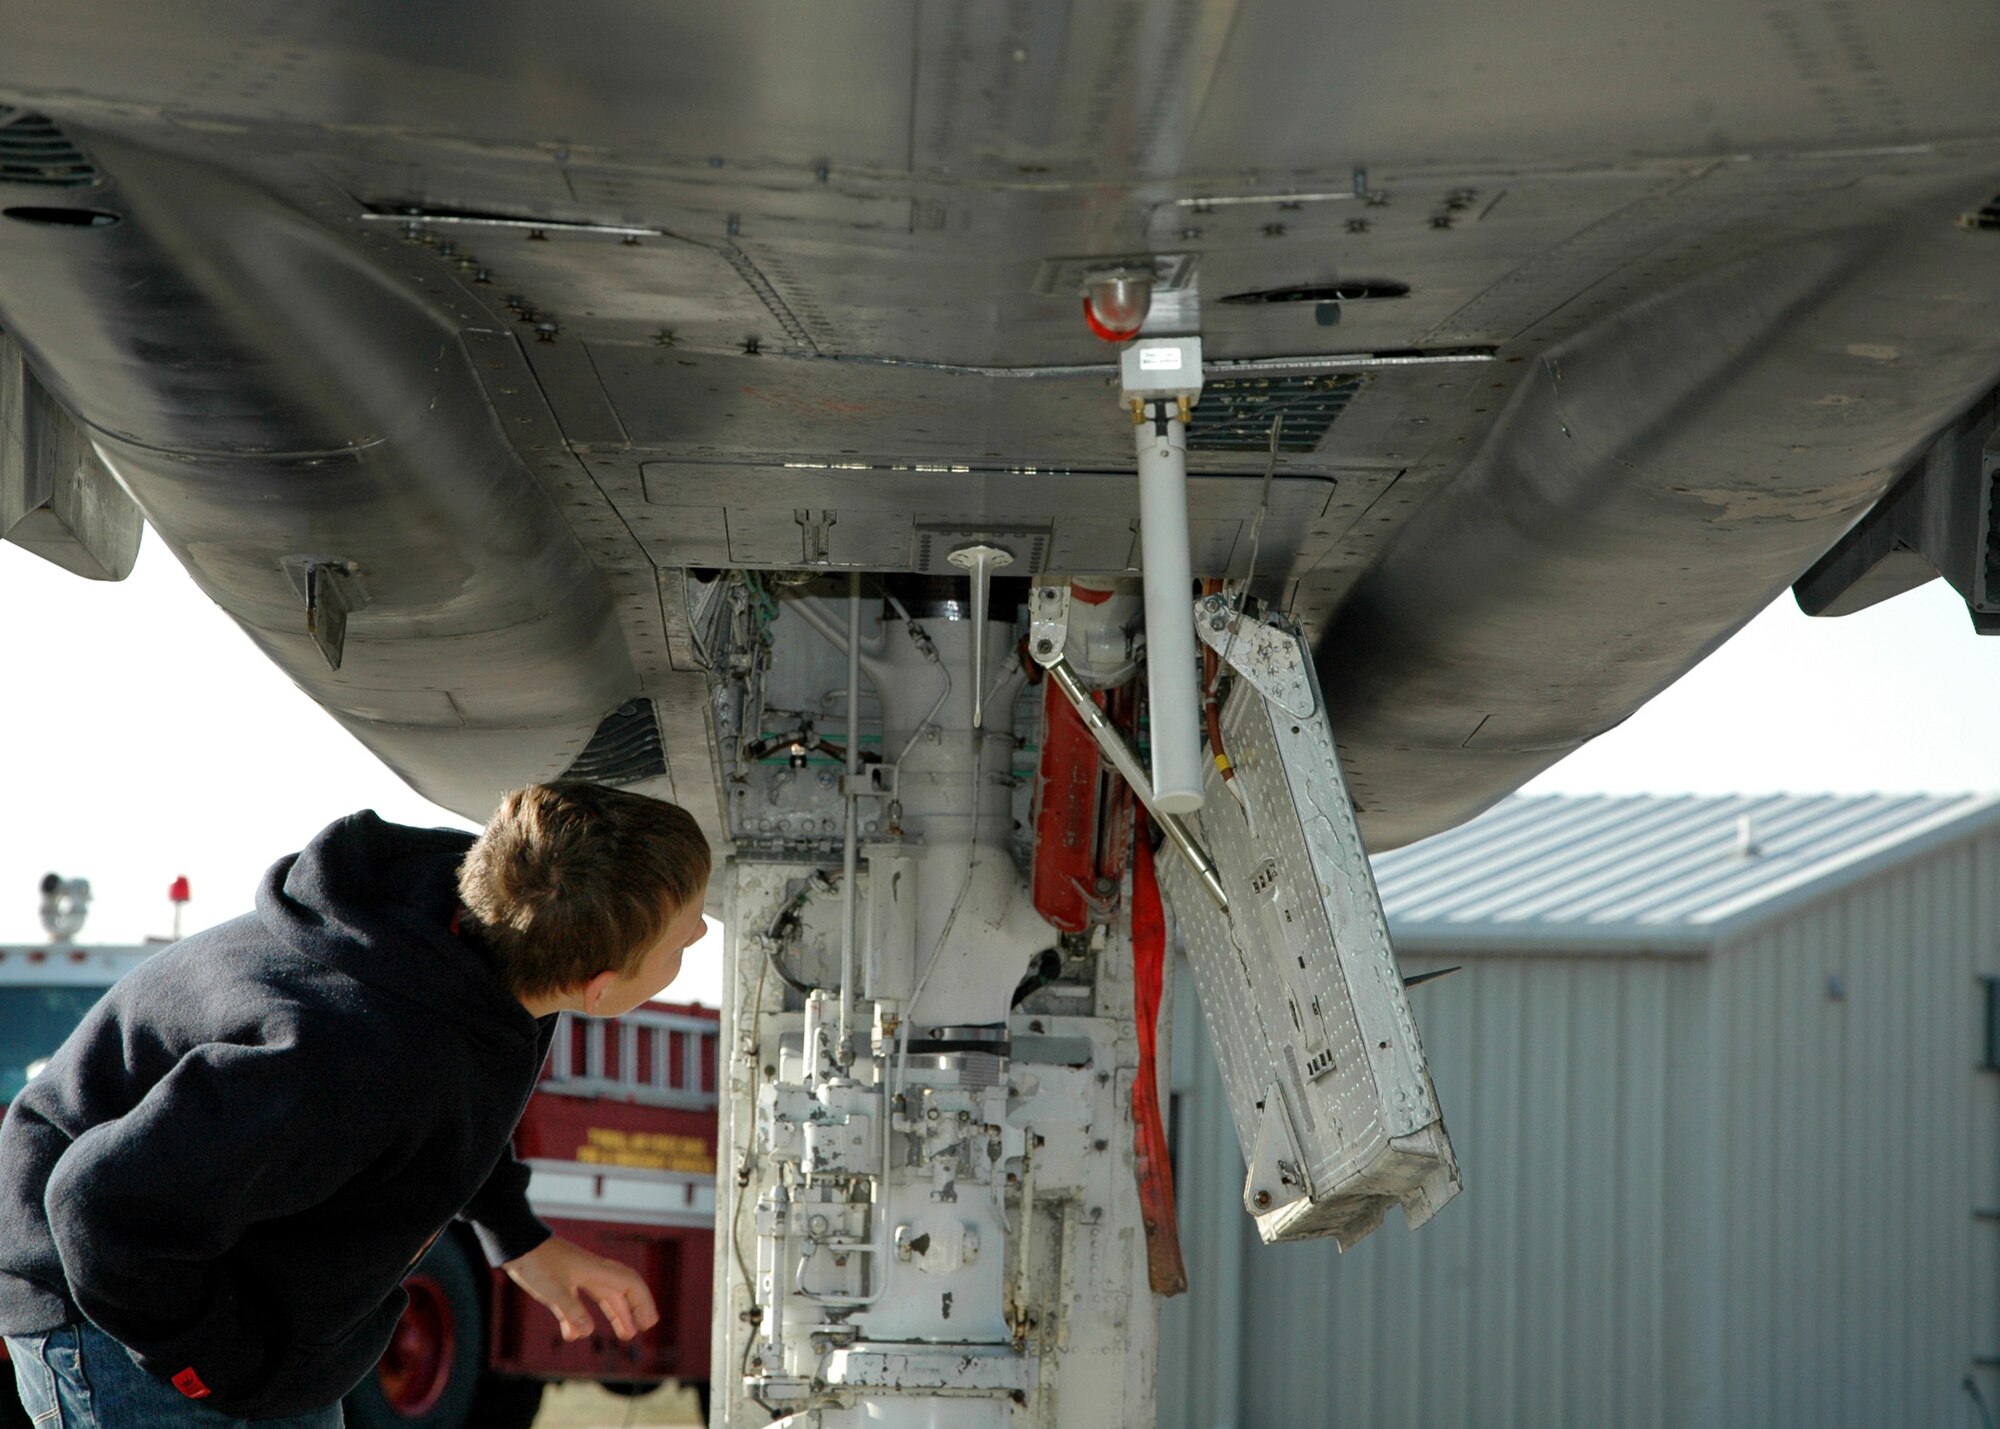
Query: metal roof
[{"x": 1649, "y": 873}]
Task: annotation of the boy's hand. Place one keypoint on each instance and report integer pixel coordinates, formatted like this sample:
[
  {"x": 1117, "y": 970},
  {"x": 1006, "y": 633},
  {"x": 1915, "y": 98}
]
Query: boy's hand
[{"x": 559, "y": 1273}]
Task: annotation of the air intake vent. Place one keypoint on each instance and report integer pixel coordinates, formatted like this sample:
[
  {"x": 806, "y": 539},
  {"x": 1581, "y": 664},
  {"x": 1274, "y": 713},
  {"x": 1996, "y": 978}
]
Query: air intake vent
[
  {"x": 1987, "y": 218},
  {"x": 1235, "y": 413},
  {"x": 34, "y": 151},
  {"x": 1986, "y": 587},
  {"x": 625, "y": 749}
]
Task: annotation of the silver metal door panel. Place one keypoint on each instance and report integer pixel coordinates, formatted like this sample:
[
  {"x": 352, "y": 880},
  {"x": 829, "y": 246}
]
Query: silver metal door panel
[{"x": 1319, "y": 1054}]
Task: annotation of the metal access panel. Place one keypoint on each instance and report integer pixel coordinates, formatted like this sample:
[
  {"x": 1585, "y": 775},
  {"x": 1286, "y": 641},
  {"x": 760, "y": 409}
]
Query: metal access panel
[{"x": 1319, "y": 1055}]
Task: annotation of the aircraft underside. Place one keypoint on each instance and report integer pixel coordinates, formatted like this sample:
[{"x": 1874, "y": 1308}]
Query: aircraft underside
[{"x": 566, "y": 390}]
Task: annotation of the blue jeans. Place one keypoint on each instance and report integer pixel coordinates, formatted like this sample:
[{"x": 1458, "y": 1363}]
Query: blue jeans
[{"x": 78, "y": 1377}]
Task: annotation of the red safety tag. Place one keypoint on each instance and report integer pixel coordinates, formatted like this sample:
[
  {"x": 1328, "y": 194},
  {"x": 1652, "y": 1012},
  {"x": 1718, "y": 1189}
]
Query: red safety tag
[{"x": 189, "y": 1383}]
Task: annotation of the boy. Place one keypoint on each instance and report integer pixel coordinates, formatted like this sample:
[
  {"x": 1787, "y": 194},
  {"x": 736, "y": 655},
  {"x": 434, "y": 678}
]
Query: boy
[{"x": 210, "y": 1196}]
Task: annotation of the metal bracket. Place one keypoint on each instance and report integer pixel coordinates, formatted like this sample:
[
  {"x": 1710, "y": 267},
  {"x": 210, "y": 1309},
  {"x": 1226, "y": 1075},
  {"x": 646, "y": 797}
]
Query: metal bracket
[
  {"x": 931, "y": 1367},
  {"x": 1271, "y": 656},
  {"x": 332, "y": 590},
  {"x": 1277, "y": 1175},
  {"x": 1048, "y": 623}
]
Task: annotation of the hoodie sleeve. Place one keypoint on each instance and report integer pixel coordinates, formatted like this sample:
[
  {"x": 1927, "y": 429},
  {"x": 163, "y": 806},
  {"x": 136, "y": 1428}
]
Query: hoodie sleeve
[
  {"x": 501, "y": 1220},
  {"x": 144, "y": 1207}
]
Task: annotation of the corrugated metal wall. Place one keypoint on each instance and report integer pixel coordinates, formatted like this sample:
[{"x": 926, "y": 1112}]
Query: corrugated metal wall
[
  {"x": 1547, "y": 1294},
  {"x": 1698, "y": 1191},
  {"x": 1857, "y": 1141}
]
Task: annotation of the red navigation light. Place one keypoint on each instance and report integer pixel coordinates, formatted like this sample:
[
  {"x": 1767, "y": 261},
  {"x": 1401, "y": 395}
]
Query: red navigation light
[{"x": 177, "y": 891}]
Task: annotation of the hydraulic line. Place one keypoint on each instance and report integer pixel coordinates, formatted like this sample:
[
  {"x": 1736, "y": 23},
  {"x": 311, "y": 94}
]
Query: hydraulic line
[
  {"x": 844, "y": 1051},
  {"x": 1211, "y": 708}
]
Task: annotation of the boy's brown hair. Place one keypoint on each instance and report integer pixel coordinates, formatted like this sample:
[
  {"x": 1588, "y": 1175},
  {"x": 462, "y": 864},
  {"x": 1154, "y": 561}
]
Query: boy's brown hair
[{"x": 571, "y": 879}]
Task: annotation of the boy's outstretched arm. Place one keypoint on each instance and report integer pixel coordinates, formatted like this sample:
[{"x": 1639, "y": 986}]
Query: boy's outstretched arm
[{"x": 560, "y": 1273}]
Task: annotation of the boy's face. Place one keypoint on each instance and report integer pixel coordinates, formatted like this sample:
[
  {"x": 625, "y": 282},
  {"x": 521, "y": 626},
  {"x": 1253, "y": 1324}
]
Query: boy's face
[{"x": 660, "y": 966}]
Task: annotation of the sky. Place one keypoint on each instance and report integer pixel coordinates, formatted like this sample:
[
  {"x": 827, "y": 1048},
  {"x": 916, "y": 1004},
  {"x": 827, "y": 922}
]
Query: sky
[{"x": 146, "y": 738}]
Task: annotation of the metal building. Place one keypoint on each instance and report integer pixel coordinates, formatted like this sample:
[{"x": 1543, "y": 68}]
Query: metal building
[{"x": 1721, "y": 1076}]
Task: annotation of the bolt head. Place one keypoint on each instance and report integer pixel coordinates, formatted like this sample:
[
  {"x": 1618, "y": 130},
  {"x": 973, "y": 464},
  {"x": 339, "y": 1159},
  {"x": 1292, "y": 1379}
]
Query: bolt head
[{"x": 1263, "y": 1199}]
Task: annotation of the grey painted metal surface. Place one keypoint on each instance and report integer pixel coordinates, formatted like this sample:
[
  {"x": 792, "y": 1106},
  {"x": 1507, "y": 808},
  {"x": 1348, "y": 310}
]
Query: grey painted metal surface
[{"x": 1734, "y": 1186}]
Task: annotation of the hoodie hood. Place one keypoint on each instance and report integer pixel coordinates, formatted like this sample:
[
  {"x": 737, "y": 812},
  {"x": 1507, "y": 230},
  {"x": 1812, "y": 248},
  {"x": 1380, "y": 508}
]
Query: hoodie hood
[{"x": 375, "y": 901}]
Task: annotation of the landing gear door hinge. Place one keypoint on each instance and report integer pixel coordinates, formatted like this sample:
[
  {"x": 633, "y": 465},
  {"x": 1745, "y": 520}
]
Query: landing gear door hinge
[{"x": 1272, "y": 657}]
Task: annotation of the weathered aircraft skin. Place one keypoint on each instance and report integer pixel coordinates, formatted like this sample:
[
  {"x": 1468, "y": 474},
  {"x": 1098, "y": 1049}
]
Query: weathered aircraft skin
[{"x": 503, "y": 317}]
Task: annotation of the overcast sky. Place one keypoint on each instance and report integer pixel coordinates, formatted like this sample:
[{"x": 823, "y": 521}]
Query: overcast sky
[{"x": 145, "y": 738}]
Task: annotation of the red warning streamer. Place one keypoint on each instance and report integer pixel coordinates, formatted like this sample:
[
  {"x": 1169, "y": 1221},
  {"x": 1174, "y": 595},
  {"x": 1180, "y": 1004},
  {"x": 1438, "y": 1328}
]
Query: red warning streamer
[{"x": 1164, "y": 1267}]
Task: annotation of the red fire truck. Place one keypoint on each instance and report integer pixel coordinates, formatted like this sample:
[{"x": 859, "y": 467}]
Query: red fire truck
[{"x": 621, "y": 1140}]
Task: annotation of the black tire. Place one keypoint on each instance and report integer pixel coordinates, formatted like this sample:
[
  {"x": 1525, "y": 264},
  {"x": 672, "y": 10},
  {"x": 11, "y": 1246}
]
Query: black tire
[
  {"x": 430, "y": 1375},
  {"x": 504, "y": 1402},
  {"x": 12, "y": 1415}
]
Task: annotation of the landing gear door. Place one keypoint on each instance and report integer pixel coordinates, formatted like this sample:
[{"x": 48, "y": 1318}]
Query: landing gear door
[{"x": 1303, "y": 996}]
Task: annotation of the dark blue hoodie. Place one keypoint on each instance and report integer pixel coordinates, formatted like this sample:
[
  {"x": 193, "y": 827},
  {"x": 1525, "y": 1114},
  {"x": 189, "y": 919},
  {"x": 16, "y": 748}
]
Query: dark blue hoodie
[{"x": 234, "y": 1159}]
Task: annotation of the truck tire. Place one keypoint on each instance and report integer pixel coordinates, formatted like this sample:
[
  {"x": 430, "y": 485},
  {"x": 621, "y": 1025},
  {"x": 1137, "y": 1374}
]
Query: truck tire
[{"x": 429, "y": 1375}]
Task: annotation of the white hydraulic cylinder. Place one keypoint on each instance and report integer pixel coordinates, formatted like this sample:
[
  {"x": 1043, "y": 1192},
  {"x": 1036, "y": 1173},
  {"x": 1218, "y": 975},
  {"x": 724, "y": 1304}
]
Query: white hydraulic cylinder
[{"x": 1161, "y": 376}]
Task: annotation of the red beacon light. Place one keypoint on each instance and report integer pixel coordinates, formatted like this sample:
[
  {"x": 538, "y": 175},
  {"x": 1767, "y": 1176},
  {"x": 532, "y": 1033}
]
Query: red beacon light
[
  {"x": 178, "y": 893},
  {"x": 1115, "y": 303}
]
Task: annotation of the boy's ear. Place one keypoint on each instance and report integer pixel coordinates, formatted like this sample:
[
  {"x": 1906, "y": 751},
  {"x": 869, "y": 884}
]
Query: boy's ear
[{"x": 594, "y": 991}]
